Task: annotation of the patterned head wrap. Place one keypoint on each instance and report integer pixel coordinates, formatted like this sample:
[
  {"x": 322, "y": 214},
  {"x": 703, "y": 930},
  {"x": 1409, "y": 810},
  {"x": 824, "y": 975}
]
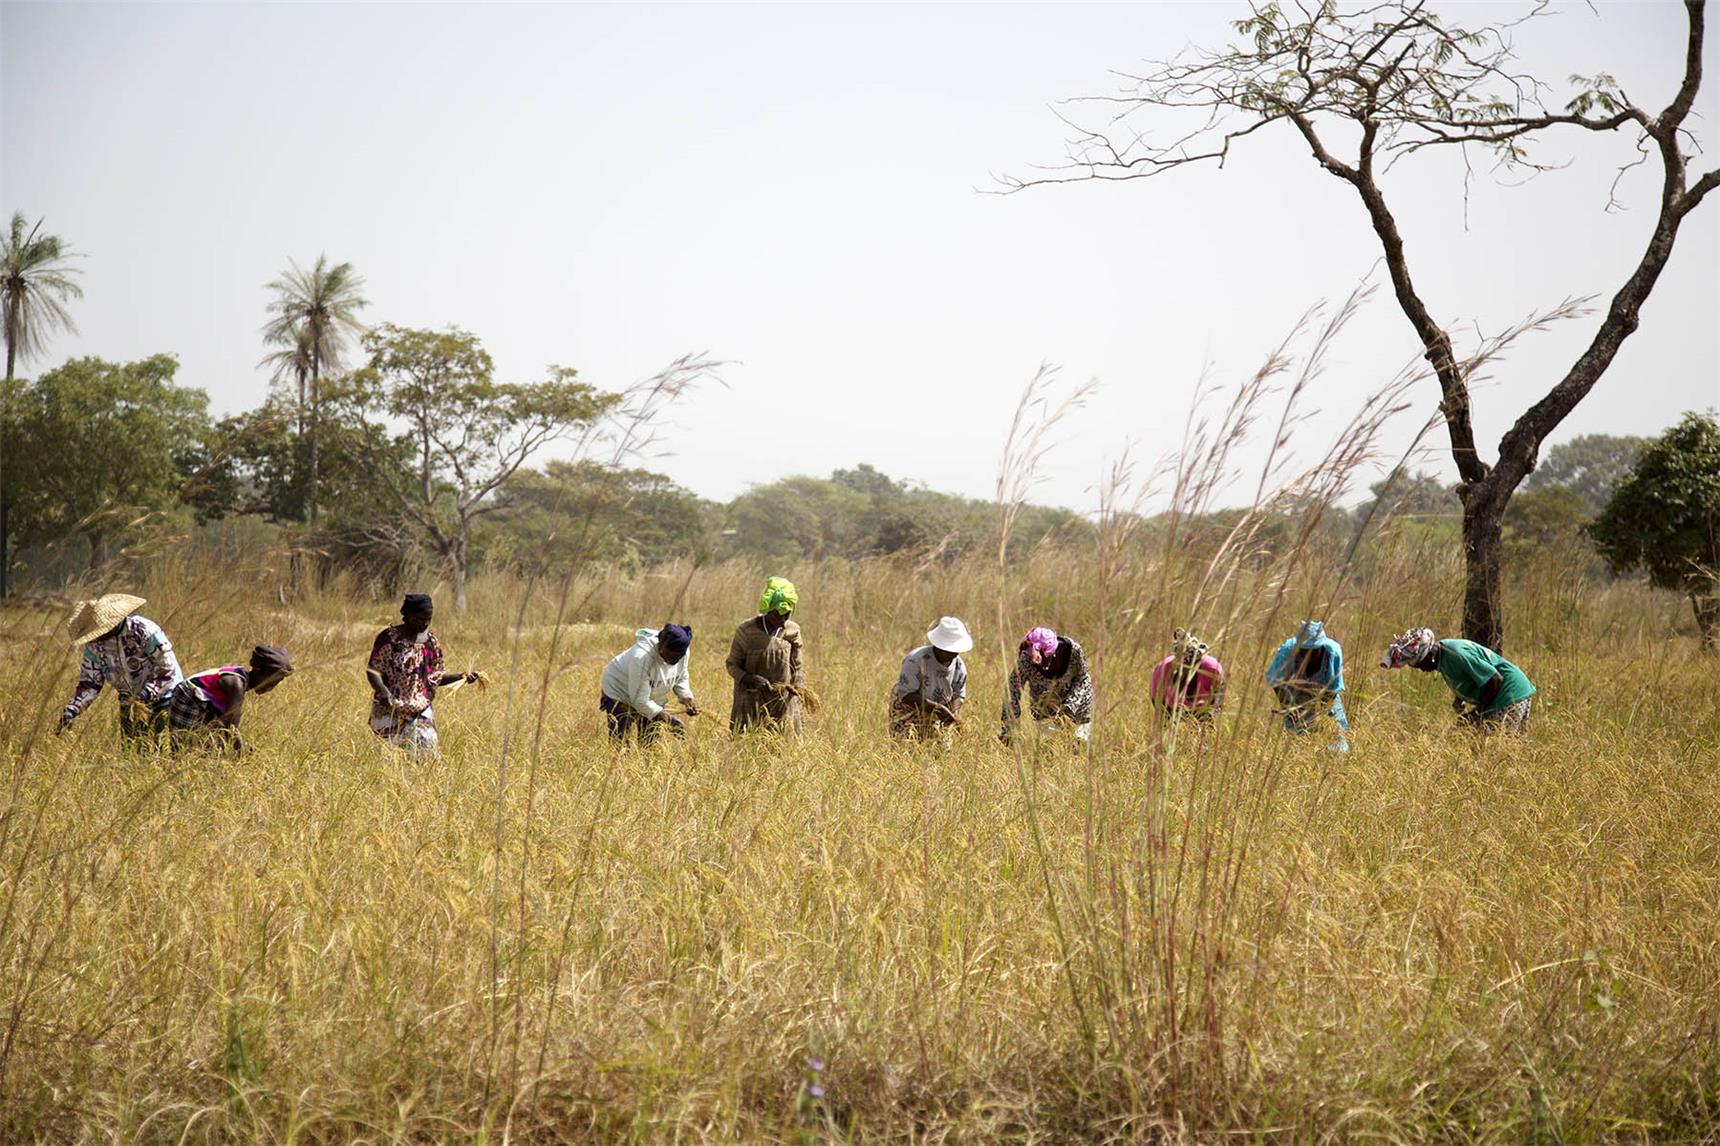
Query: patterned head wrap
[
  {"x": 675, "y": 638},
  {"x": 1187, "y": 648},
  {"x": 1310, "y": 633},
  {"x": 271, "y": 659},
  {"x": 1408, "y": 648},
  {"x": 778, "y": 597},
  {"x": 1040, "y": 643}
]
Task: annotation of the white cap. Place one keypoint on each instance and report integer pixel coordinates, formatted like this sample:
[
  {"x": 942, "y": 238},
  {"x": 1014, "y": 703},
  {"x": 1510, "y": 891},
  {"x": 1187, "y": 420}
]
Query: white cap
[{"x": 950, "y": 635}]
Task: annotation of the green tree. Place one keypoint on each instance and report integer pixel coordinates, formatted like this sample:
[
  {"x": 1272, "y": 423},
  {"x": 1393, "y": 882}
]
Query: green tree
[
  {"x": 431, "y": 393},
  {"x": 1406, "y": 494},
  {"x": 36, "y": 280},
  {"x": 1543, "y": 516},
  {"x": 103, "y": 445},
  {"x": 583, "y": 510},
  {"x": 1363, "y": 88},
  {"x": 1665, "y": 518},
  {"x": 312, "y": 315},
  {"x": 1590, "y": 466}
]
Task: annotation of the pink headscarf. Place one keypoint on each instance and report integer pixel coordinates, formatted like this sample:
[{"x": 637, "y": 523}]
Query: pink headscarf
[{"x": 1040, "y": 643}]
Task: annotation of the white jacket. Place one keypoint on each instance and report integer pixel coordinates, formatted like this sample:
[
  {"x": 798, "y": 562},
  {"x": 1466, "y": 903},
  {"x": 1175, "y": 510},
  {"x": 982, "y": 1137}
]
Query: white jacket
[{"x": 642, "y": 680}]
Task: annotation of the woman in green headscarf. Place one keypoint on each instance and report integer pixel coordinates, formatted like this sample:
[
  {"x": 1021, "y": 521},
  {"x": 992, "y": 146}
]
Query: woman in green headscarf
[{"x": 764, "y": 660}]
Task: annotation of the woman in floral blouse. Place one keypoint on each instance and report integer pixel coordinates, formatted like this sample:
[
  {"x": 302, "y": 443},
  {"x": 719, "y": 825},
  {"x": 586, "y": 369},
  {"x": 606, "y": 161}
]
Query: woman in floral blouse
[
  {"x": 405, "y": 670},
  {"x": 1052, "y": 670}
]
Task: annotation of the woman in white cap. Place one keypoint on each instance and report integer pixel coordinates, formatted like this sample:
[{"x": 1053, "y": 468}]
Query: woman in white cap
[
  {"x": 929, "y": 693},
  {"x": 127, "y": 651}
]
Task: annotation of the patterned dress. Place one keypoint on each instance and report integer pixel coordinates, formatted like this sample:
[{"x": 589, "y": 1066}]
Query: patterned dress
[
  {"x": 409, "y": 666},
  {"x": 1068, "y": 696},
  {"x": 137, "y": 660}
]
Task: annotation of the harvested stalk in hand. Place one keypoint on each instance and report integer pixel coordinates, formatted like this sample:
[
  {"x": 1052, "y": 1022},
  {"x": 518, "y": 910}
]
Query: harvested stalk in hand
[{"x": 806, "y": 695}]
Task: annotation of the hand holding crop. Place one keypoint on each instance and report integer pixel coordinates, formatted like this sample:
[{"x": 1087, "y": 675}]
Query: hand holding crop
[
  {"x": 692, "y": 707},
  {"x": 757, "y": 683}
]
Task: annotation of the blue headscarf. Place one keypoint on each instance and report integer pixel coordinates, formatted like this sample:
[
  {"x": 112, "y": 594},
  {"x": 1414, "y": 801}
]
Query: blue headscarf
[
  {"x": 1309, "y": 635},
  {"x": 675, "y": 638}
]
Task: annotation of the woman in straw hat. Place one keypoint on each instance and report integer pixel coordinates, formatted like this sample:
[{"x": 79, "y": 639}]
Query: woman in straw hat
[
  {"x": 926, "y": 701},
  {"x": 764, "y": 660},
  {"x": 127, "y": 651},
  {"x": 213, "y": 701}
]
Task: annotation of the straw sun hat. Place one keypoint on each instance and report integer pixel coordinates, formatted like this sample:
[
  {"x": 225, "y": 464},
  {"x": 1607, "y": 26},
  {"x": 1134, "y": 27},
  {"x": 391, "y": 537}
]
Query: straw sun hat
[{"x": 90, "y": 619}]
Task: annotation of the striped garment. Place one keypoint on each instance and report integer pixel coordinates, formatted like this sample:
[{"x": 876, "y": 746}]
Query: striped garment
[{"x": 199, "y": 701}]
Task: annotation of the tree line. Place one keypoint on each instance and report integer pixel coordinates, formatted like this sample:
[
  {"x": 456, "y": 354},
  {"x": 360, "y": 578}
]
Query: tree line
[{"x": 395, "y": 451}]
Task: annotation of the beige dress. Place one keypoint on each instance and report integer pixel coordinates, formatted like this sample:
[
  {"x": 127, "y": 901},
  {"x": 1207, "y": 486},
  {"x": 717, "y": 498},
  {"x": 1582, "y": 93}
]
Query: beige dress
[{"x": 776, "y": 657}]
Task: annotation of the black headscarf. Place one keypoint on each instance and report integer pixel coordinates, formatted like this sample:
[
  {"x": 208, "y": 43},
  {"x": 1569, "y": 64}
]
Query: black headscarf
[
  {"x": 271, "y": 659},
  {"x": 416, "y": 603}
]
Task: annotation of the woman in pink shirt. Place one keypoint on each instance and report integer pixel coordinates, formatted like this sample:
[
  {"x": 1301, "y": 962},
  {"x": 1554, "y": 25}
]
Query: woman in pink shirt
[{"x": 1188, "y": 682}]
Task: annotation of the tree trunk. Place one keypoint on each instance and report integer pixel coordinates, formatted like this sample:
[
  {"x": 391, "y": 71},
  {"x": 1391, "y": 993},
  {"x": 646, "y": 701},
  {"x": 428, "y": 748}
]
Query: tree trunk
[
  {"x": 98, "y": 550},
  {"x": 457, "y": 561},
  {"x": 316, "y": 419},
  {"x": 1707, "y": 609},
  {"x": 5, "y": 493},
  {"x": 1483, "y": 544}
]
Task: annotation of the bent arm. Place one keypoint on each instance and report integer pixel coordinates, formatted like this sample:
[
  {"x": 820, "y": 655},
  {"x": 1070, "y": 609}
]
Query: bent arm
[
  {"x": 89, "y": 685},
  {"x": 163, "y": 672},
  {"x": 233, "y": 686},
  {"x": 683, "y": 686},
  {"x": 1490, "y": 691}
]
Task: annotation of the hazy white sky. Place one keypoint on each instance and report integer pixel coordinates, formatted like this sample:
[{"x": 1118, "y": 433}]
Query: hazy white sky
[{"x": 796, "y": 189}]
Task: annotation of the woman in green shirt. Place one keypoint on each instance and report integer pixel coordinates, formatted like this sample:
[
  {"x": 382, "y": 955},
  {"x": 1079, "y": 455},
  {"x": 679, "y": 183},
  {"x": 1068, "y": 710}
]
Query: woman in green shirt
[{"x": 1490, "y": 691}]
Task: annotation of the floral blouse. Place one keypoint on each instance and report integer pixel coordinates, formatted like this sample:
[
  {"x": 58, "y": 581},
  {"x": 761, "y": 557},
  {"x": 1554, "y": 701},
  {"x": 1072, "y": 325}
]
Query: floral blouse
[
  {"x": 137, "y": 659},
  {"x": 409, "y": 667},
  {"x": 1069, "y": 694}
]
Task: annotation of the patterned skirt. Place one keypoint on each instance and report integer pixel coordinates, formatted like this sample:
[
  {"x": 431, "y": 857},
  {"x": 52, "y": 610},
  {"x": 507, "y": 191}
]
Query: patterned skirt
[
  {"x": 187, "y": 707},
  {"x": 1513, "y": 718},
  {"x": 416, "y": 735}
]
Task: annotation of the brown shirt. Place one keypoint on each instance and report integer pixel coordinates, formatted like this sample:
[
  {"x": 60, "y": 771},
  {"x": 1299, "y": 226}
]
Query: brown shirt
[{"x": 756, "y": 651}]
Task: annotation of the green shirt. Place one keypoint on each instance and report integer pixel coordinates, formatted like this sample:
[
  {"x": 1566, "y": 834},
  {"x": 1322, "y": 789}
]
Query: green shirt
[{"x": 1467, "y": 667}]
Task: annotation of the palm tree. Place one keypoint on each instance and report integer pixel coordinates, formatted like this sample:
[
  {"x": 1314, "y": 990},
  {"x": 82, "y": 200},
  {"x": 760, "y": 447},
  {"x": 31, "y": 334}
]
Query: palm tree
[
  {"x": 293, "y": 362},
  {"x": 35, "y": 281},
  {"x": 320, "y": 307}
]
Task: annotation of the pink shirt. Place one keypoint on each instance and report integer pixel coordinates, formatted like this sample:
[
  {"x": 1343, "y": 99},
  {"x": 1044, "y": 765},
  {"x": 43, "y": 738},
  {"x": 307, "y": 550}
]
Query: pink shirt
[{"x": 1196, "y": 694}]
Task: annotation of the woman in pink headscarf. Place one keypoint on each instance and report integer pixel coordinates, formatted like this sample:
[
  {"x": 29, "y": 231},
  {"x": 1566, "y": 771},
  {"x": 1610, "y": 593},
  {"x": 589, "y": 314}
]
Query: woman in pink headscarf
[{"x": 1053, "y": 672}]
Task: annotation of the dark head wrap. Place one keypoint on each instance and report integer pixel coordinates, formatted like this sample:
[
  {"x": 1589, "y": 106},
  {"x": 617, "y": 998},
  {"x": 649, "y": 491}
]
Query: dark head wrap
[
  {"x": 415, "y": 603},
  {"x": 675, "y": 638},
  {"x": 271, "y": 659}
]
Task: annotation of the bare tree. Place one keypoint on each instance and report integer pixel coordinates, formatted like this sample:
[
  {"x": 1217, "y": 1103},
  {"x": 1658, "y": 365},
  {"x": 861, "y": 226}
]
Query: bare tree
[{"x": 1365, "y": 88}]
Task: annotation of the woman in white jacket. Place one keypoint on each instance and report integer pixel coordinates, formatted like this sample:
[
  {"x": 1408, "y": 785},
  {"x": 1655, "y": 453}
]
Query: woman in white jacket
[{"x": 637, "y": 683}]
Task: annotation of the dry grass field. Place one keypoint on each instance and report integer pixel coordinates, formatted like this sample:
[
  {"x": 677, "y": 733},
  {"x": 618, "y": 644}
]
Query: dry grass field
[{"x": 840, "y": 937}]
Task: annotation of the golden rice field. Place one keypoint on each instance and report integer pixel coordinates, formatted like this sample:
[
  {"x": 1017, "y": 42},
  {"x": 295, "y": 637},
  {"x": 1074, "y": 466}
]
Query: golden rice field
[{"x": 535, "y": 938}]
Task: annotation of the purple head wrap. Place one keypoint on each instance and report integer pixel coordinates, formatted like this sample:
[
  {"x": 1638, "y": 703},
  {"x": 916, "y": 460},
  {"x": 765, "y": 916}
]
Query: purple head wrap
[{"x": 1040, "y": 643}]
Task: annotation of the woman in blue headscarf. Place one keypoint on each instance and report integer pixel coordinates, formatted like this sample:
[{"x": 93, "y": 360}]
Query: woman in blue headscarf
[
  {"x": 637, "y": 682},
  {"x": 1307, "y": 676}
]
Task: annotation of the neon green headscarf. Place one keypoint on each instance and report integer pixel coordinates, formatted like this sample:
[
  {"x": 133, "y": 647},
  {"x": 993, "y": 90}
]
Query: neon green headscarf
[{"x": 778, "y": 597}]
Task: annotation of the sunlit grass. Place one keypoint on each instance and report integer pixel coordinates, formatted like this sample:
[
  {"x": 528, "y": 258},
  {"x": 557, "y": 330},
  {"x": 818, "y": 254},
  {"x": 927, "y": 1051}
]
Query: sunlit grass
[{"x": 1425, "y": 939}]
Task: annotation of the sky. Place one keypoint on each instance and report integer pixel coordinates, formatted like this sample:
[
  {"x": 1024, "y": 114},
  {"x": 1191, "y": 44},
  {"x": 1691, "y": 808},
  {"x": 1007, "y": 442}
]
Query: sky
[{"x": 807, "y": 193}]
